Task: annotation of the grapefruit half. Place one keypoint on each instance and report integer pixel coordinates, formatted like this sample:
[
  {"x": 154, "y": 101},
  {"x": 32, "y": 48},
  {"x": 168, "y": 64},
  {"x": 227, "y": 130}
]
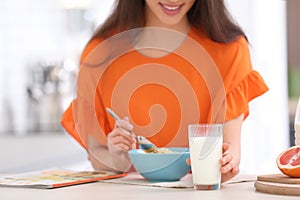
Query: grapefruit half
[{"x": 288, "y": 162}]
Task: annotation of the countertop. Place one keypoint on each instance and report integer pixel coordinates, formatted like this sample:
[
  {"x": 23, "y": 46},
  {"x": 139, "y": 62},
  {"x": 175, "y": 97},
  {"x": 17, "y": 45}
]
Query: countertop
[{"x": 101, "y": 190}]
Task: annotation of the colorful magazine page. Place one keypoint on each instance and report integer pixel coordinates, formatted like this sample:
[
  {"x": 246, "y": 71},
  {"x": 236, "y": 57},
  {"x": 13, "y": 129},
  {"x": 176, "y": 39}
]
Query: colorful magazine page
[{"x": 54, "y": 178}]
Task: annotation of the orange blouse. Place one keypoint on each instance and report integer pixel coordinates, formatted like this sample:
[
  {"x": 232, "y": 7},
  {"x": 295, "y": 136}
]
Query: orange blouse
[{"x": 199, "y": 82}]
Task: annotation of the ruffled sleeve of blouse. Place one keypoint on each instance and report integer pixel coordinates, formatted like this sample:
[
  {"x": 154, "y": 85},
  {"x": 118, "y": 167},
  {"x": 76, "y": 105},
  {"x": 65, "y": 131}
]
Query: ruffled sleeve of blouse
[{"x": 238, "y": 99}]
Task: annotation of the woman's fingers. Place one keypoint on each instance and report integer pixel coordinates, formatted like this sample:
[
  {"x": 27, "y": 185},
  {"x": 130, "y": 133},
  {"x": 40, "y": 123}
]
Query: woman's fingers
[
  {"x": 225, "y": 147},
  {"x": 229, "y": 168},
  {"x": 229, "y": 175},
  {"x": 120, "y": 140},
  {"x": 124, "y": 124},
  {"x": 227, "y": 158},
  {"x": 125, "y": 134},
  {"x": 118, "y": 145},
  {"x": 188, "y": 161}
]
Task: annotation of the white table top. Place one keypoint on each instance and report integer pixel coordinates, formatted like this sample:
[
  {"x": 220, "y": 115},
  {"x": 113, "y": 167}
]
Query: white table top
[{"x": 100, "y": 190}]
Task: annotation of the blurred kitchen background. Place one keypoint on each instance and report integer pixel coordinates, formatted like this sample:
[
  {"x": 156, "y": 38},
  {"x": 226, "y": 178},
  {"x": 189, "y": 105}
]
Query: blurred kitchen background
[{"x": 40, "y": 45}]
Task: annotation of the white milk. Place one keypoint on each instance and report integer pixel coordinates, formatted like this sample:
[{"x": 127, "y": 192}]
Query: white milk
[{"x": 206, "y": 171}]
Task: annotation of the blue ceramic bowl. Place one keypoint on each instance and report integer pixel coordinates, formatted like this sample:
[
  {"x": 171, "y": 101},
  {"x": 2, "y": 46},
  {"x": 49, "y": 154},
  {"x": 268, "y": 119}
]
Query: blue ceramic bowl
[{"x": 161, "y": 167}]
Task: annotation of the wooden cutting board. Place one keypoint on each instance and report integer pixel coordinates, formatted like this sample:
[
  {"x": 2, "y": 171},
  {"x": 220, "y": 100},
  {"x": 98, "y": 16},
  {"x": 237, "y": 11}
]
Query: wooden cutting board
[{"x": 278, "y": 184}]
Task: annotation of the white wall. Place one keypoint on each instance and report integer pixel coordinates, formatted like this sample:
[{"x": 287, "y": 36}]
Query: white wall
[
  {"x": 265, "y": 132},
  {"x": 33, "y": 31},
  {"x": 30, "y": 29},
  {"x": 36, "y": 30}
]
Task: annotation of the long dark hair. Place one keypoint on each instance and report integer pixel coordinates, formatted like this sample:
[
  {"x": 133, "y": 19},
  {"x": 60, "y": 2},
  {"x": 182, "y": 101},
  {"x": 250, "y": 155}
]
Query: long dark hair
[{"x": 209, "y": 16}]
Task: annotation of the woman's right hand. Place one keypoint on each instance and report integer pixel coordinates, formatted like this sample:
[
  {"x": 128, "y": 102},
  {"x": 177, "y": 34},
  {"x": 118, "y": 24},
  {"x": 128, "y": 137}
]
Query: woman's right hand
[{"x": 120, "y": 139}]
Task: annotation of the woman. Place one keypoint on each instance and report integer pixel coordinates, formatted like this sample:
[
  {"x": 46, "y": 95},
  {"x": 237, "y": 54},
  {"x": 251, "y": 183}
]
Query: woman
[{"x": 164, "y": 64}]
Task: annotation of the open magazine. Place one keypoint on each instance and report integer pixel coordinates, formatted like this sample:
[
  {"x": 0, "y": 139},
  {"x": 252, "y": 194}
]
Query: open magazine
[{"x": 54, "y": 178}]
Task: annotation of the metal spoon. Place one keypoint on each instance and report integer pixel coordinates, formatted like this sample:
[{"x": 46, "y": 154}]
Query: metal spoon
[{"x": 144, "y": 144}]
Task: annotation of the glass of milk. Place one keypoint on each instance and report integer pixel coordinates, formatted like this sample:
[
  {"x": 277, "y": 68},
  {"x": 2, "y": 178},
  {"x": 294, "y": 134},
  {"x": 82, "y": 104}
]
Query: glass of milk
[{"x": 205, "y": 142}]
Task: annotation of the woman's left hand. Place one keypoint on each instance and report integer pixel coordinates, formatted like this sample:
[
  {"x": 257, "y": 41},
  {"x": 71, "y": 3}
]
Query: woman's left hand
[{"x": 229, "y": 168}]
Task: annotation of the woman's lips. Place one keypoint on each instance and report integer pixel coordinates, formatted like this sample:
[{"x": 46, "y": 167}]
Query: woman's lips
[{"x": 171, "y": 9}]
